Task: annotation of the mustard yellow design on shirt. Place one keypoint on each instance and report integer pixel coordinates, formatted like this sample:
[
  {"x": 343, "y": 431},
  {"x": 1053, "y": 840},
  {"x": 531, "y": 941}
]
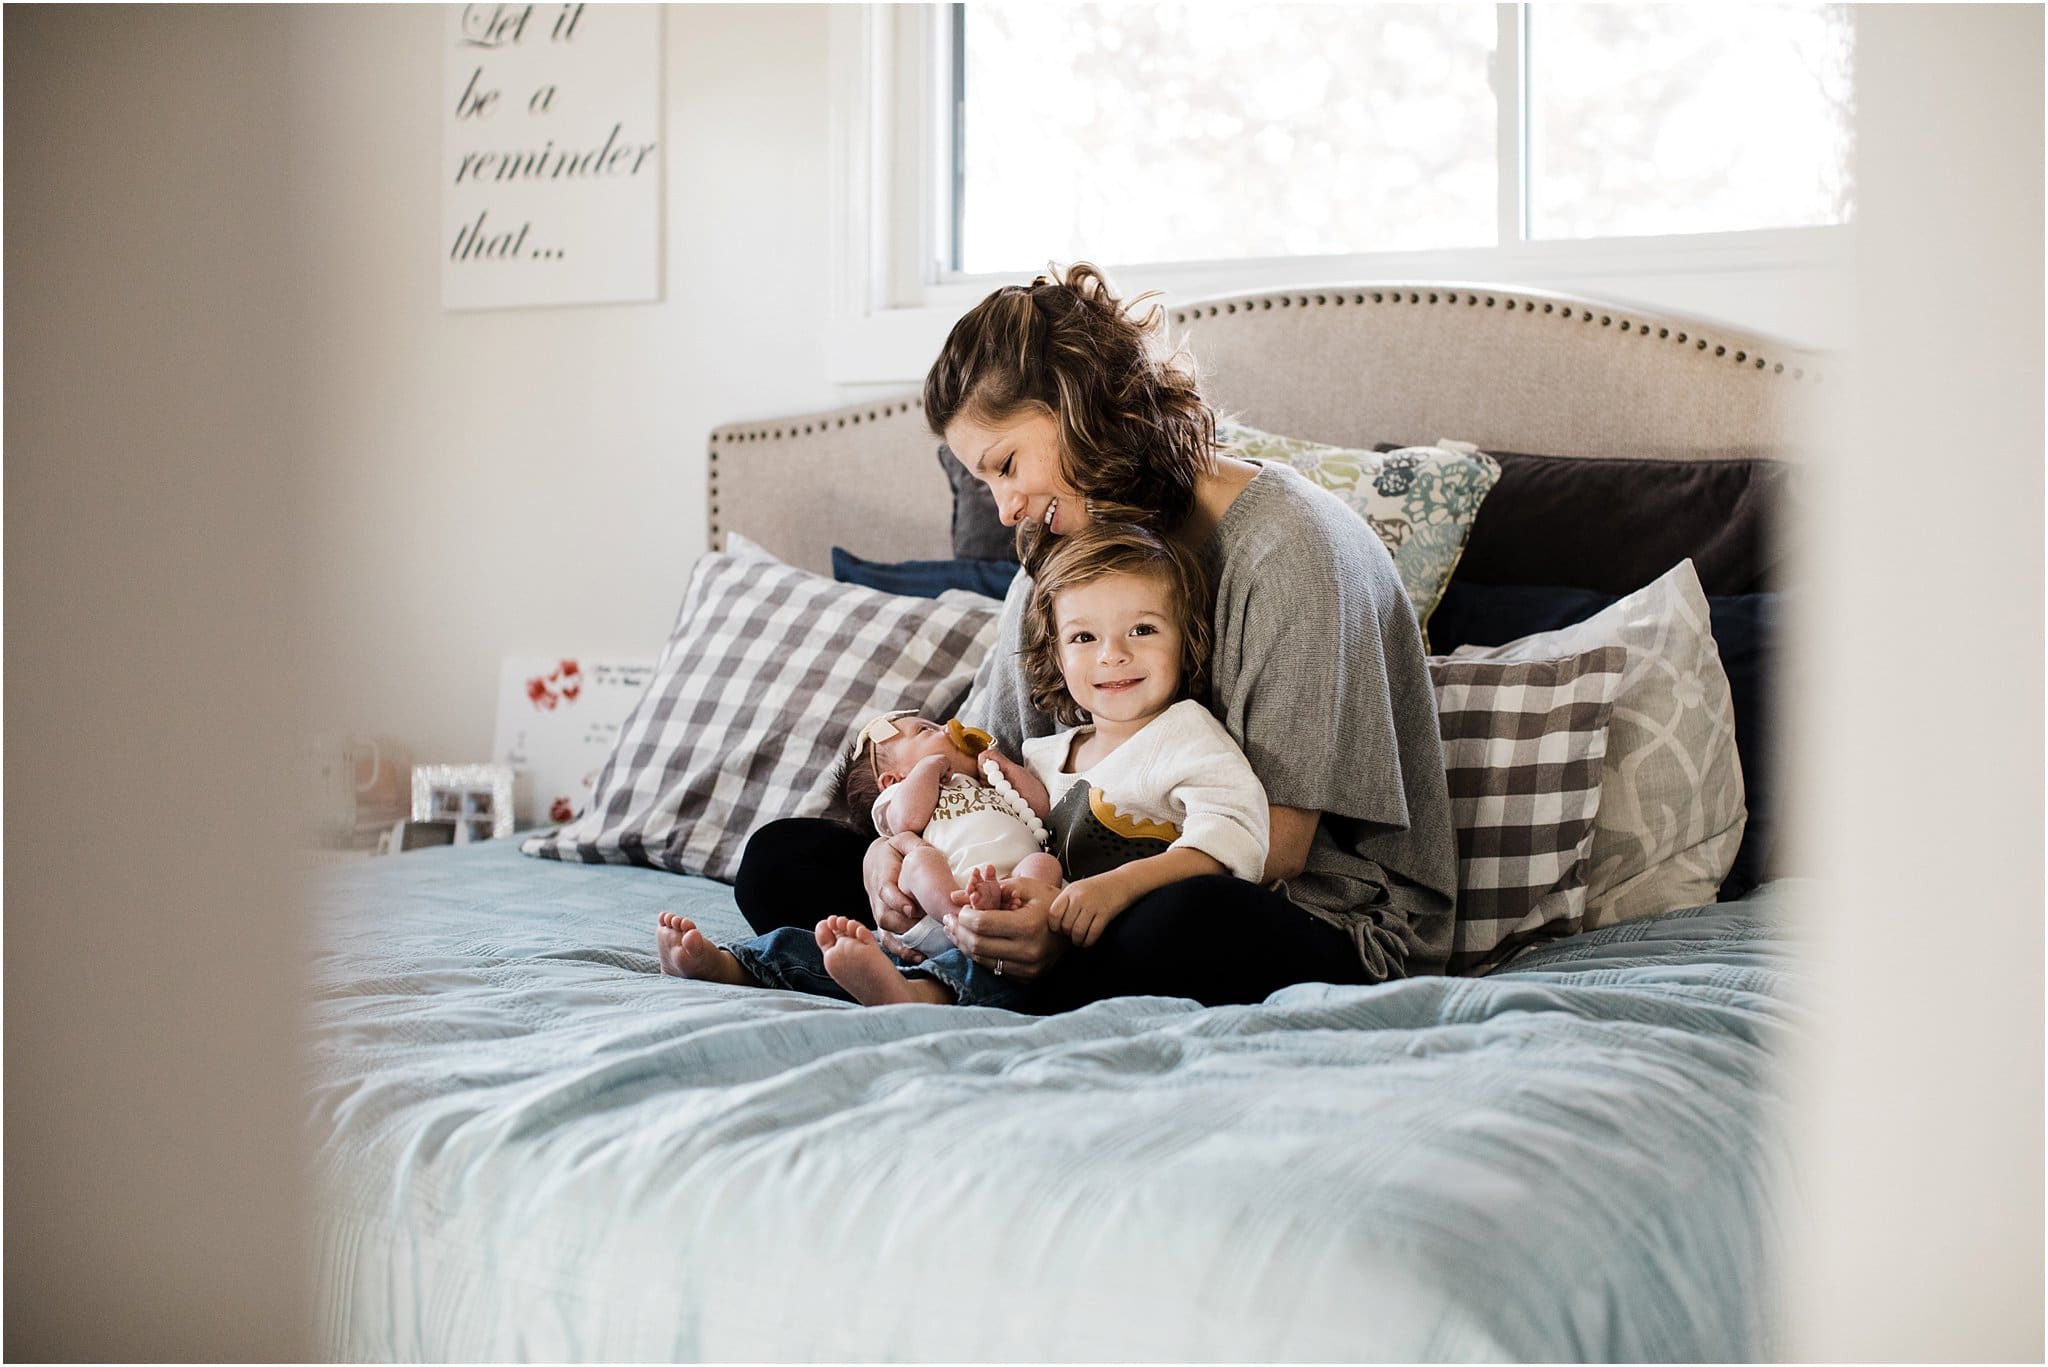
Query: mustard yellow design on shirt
[
  {"x": 1129, "y": 827},
  {"x": 966, "y": 799}
]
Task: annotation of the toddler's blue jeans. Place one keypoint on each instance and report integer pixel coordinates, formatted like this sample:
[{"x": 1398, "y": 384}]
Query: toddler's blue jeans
[{"x": 790, "y": 958}]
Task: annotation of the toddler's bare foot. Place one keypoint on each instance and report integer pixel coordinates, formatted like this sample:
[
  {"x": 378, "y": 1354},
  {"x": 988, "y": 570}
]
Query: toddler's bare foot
[
  {"x": 858, "y": 964},
  {"x": 685, "y": 953}
]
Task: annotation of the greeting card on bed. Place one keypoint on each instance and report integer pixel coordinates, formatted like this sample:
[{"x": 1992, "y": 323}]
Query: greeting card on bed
[{"x": 558, "y": 720}]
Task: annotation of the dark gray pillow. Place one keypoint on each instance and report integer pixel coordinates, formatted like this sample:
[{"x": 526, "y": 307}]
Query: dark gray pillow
[
  {"x": 978, "y": 530},
  {"x": 1617, "y": 524}
]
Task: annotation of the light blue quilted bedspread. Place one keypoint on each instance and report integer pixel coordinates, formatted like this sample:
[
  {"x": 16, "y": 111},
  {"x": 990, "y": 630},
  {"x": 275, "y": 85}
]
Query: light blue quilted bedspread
[{"x": 532, "y": 1145}]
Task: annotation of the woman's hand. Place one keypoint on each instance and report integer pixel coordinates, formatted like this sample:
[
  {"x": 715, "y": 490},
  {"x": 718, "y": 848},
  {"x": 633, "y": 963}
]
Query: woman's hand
[
  {"x": 879, "y": 869},
  {"x": 1084, "y": 909},
  {"x": 1015, "y": 937}
]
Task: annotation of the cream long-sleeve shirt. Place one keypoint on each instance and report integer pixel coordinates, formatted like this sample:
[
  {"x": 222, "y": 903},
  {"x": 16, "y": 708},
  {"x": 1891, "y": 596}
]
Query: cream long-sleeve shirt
[{"x": 1183, "y": 770}]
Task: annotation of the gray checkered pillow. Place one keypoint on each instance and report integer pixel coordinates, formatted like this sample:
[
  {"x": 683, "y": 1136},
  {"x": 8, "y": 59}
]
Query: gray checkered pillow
[
  {"x": 1523, "y": 742},
  {"x": 766, "y": 674}
]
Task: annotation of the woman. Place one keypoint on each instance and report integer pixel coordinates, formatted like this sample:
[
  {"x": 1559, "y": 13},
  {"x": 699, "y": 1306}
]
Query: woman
[{"x": 1066, "y": 405}]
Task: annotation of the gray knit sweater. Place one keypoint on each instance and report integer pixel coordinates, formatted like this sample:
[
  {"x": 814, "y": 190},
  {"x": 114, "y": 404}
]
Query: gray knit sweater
[{"x": 1318, "y": 674}]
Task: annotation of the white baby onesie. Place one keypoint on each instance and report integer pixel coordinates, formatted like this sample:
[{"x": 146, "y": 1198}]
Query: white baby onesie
[{"x": 973, "y": 824}]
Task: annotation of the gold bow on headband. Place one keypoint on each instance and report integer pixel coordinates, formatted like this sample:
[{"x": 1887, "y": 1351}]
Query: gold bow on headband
[{"x": 884, "y": 728}]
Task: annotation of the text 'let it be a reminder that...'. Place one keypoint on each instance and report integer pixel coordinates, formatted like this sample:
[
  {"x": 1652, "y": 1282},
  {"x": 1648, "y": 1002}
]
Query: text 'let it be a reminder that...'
[{"x": 552, "y": 155}]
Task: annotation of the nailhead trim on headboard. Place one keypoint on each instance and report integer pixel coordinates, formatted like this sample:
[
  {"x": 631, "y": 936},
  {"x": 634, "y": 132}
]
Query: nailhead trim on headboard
[
  {"x": 1697, "y": 344},
  {"x": 1510, "y": 304},
  {"x": 733, "y": 435}
]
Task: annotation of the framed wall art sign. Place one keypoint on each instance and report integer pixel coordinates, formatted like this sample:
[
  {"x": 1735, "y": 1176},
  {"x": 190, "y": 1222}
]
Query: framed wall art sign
[{"x": 551, "y": 161}]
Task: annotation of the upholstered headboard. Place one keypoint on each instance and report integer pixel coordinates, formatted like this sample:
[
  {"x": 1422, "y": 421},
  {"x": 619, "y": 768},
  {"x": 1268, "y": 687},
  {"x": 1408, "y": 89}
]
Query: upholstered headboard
[{"x": 1507, "y": 369}]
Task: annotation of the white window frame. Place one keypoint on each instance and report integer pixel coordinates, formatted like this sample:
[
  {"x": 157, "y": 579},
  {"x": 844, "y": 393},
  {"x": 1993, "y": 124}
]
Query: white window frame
[{"x": 892, "y": 303}]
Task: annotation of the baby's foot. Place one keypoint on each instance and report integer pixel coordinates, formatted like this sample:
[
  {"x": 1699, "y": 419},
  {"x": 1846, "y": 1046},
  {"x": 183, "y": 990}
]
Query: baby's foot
[
  {"x": 984, "y": 889},
  {"x": 858, "y": 964},
  {"x": 685, "y": 953}
]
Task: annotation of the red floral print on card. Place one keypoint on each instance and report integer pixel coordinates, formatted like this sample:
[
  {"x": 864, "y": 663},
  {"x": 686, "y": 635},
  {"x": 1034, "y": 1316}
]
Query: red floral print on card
[{"x": 564, "y": 684}]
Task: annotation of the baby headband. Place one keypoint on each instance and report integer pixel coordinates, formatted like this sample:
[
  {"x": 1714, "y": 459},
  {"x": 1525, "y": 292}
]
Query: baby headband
[{"x": 884, "y": 728}]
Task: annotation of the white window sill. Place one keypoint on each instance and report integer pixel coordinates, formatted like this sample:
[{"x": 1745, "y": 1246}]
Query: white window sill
[{"x": 1773, "y": 282}]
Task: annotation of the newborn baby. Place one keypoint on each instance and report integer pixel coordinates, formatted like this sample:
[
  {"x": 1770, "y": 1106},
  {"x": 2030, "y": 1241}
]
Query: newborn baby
[{"x": 960, "y": 812}]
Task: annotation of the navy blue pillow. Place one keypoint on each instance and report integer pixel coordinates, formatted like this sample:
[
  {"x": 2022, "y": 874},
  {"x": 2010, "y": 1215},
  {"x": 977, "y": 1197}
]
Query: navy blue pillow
[
  {"x": 924, "y": 578},
  {"x": 1745, "y": 628}
]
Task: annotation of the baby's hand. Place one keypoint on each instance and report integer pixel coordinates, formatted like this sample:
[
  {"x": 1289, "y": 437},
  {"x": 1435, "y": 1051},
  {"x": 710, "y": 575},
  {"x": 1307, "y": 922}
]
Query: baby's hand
[
  {"x": 1084, "y": 909},
  {"x": 1027, "y": 784}
]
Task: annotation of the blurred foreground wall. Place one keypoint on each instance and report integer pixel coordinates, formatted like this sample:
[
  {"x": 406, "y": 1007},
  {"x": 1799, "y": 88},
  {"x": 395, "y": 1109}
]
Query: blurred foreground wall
[
  {"x": 153, "y": 1110},
  {"x": 1923, "y": 713}
]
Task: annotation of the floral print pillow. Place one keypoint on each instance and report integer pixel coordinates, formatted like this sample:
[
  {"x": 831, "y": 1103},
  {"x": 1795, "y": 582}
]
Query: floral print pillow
[{"x": 1420, "y": 500}]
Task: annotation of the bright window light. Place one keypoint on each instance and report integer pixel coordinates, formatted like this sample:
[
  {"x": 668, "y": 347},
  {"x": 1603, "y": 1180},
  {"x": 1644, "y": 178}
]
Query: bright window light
[
  {"x": 1177, "y": 133},
  {"x": 1655, "y": 119},
  {"x": 1193, "y": 132}
]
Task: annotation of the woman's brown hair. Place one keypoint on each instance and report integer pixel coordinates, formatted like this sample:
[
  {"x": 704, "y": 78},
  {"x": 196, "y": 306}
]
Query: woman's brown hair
[
  {"x": 1080, "y": 557},
  {"x": 1135, "y": 434}
]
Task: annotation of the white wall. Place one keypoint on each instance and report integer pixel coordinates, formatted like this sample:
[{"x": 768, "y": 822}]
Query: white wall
[{"x": 532, "y": 480}]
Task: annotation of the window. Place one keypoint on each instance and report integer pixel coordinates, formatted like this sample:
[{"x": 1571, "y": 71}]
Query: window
[
  {"x": 1197, "y": 132},
  {"x": 1207, "y": 132},
  {"x": 1654, "y": 119},
  {"x": 1692, "y": 158}
]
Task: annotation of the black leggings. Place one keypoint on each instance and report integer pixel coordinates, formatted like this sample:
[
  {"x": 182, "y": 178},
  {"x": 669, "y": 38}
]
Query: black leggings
[{"x": 1219, "y": 940}]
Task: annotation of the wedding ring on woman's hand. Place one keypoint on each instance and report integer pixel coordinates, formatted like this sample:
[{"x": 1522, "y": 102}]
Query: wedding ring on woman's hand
[{"x": 999, "y": 968}]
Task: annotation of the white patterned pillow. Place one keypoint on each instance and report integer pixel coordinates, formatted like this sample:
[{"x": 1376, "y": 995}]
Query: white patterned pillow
[
  {"x": 1420, "y": 500},
  {"x": 767, "y": 672},
  {"x": 1523, "y": 745},
  {"x": 1671, "y": 797}
]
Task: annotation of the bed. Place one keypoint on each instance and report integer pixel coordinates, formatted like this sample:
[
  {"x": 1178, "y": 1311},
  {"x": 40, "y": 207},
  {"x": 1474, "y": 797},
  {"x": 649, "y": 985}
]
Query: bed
[{"x": 531, "y": 1145}]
